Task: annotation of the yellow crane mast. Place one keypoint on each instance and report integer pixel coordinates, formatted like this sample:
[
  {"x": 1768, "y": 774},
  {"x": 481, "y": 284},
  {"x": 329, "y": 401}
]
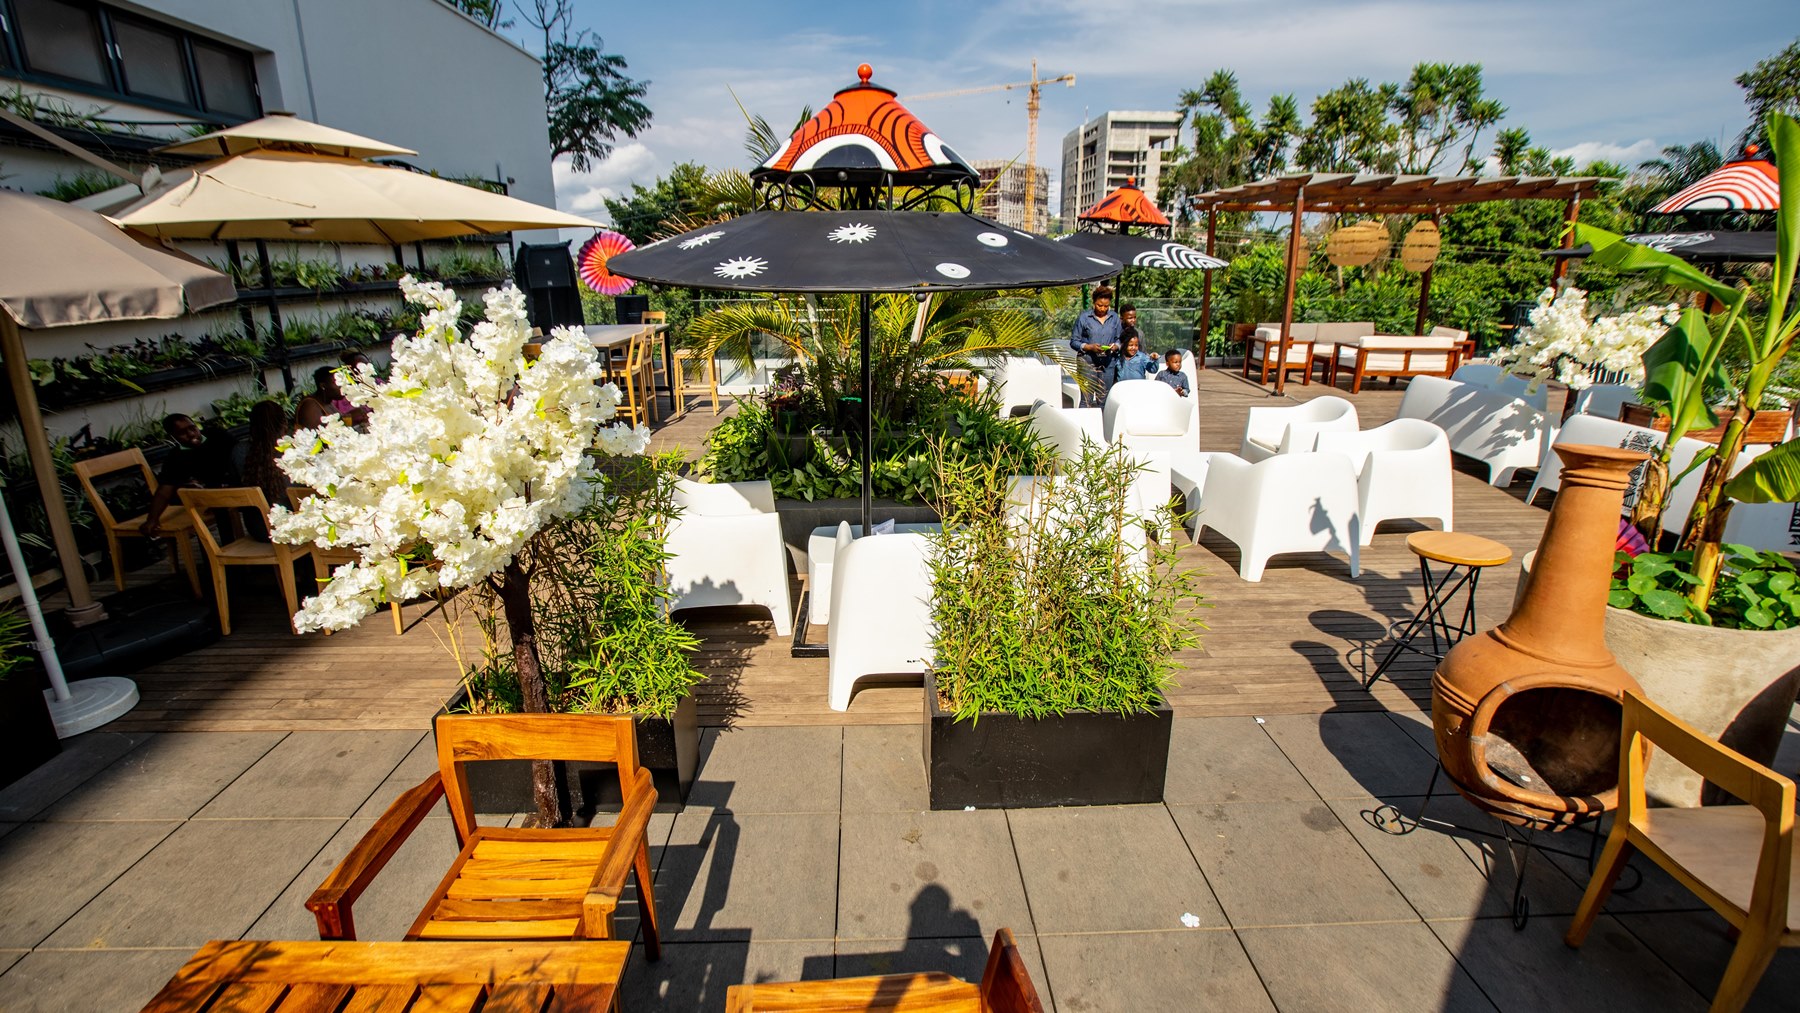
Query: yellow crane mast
[{"x": 1032, "y": 104}]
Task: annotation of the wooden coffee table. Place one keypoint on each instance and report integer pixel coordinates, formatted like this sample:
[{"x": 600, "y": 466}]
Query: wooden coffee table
[{"x": 249, "y": 975}]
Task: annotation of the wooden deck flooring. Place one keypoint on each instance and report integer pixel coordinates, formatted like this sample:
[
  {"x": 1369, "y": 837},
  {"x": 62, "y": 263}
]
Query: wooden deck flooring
[{"x": 1297, "y": 642}]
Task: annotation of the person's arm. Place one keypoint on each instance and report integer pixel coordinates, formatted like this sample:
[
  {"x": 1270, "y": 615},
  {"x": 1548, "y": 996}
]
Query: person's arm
[
  {"x": 1076, "y": 335},
  {"x": 310, "y": 414}
]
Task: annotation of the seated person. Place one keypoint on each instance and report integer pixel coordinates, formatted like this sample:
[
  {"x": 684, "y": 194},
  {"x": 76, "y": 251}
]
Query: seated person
[
  {"x": 262, "y": 463},
  {"x": 1171, "y": 373},
  {"x": 1132, "y": 363},
  {"x": 200, "y": 460},
  {"x": 327, "y": 399}
]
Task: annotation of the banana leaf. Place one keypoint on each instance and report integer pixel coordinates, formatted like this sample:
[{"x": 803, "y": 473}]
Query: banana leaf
[
  {"x": 1614, "y": 251},
  {"x": 1772, "y": 478},
  {"x": 1672, "y": 370}
]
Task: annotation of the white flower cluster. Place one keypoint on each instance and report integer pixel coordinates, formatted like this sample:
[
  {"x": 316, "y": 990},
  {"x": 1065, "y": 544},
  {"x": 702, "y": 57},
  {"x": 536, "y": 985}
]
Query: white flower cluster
[
  {"x": 469, "y": 451},
  {"x": 1564, "y": 344}
]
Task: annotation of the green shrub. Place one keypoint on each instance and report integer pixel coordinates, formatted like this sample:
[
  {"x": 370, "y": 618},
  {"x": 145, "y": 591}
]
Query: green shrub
[
  {"x": 15, "y": 641},
  {"x": 1755, "y": 591}
]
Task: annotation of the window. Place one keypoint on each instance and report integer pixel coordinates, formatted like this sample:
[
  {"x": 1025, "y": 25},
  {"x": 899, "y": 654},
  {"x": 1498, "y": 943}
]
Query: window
[{"x": 93, "y": 48}]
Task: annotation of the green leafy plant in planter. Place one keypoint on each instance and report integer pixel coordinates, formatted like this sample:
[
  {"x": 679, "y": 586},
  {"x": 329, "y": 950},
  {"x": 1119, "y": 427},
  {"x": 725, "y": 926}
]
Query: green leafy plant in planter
[
  {"x": 1755, "y": 591},
  {"x": 15, "y": 642},
  {"x": 1056, "y": 611}
]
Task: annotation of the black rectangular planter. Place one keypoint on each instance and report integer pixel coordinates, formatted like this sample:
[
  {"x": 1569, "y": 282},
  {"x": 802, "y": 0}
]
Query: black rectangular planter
[
  {"x": 669, "y": 747},
  {"x": 27, "y": 735},
  {"x": 1081, "y": 758}
]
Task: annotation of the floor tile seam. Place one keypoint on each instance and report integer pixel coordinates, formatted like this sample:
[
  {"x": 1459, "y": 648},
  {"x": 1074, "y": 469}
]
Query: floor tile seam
[
  {"x": 283, "y": 737},
  {"x": 1012, "y": 842},
  {"x": 1177, "y": 930},
  {"x": 1645, "y": 943},
  {"x": 122, "y": 873},
  {"x": 837, "y": 867},
  {"x": 1264, "y": 726},
  {"x": 1364, "y": 848},
  {"x": 398, "y": 762},
  {"x": 301, "y": 871},
  {"x": 112, "y": 949},
  {"x": 1331, "y": 923},
  {"x": 1204, "y": 878}
]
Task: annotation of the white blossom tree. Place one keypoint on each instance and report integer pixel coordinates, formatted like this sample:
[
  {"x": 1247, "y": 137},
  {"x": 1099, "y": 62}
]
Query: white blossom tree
[
  {"x": 470, "y": 452},
  {"x": 1565, "y": 344}
]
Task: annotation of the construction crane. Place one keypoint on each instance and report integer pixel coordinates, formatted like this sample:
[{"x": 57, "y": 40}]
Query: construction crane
[{"x": 1032, "y": 104}]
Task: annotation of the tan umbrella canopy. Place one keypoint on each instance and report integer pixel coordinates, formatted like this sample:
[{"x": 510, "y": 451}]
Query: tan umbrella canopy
[
  {"x": 283, "y": 131},
  {"x": 60, "y": 266},
  {"x": 272, "y": 194}
]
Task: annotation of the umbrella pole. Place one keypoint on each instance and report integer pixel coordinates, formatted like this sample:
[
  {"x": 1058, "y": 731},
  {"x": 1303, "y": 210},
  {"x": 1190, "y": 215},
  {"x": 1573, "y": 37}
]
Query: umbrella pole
[
  {"x": 83, "y": 610},
  {"x": 868, "y": 418}
]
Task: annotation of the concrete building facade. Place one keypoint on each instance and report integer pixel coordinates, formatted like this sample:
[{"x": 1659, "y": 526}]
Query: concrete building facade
[
  {"x": 1105, "y": 152},
  {"x": 1003, "y": 196}
]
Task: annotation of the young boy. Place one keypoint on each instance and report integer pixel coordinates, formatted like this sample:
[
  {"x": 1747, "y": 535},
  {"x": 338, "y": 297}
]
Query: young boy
[{"x": 1171, "y": 372}]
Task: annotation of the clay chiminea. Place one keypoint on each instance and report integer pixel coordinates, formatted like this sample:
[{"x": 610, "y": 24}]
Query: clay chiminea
[{"x": 1527, "y": 715}]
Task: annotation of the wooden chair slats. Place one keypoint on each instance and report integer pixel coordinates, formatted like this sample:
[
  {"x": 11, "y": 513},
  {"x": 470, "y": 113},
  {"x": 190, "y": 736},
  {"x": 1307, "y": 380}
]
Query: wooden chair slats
[
  {"x": 241, "y": 551},
  {"x": 453, "y": 999},
  {"x": 177, "y": 522},
  {"x": 308, "y": 997},
  {"x": 580, "y": 998},
  {"x": 544, "y": 889},
  {"x": 560, "y": 928},
  {"x": 249, "y": 997},
  {"x": 518, "y": 998},
  {"x": 507, "y": 910},
  {"x": 494, "y": 849},
  {"x": 1005, "y": 987},
  {"x": 381, "y": 999}
]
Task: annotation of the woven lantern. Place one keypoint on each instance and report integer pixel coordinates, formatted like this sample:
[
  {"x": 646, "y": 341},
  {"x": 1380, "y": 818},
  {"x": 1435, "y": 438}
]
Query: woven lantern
[
  {"x": 1356, "y": 245},
  {"x": 1421, "y": 247},
  {"x": 1303, "y": 253}
]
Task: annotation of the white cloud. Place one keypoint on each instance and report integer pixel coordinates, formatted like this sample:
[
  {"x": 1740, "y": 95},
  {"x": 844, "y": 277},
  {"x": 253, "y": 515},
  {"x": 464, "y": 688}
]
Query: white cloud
[
  {"x": 585, "y": 193},
  {"x": 1627, "y": 155}
]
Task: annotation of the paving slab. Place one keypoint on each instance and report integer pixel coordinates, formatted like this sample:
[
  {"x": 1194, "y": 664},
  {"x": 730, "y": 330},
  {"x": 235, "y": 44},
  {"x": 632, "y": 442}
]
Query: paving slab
[
  {"x": 7, "y": 828},
  {"x": 52, "y": 869},
  {"x": 81, "y": 758},
  {"x": 1655, "y": 889},
  {"x": 1417, "y": 724},
  {"x": 1229, "y": 759},
  {"x": 695, "y": 976},
  {"x": 1193, "y": 969},
  {"x": 929, "y": 874},
  {"x": 964, "y": 957},
  {"x": 1695, "y": 944},
  {"x": 1548, "y": 885},
  {"x": 7, "y": 959},
  {"x": 1373, "y": 968},
  {"x": 391, "y": 903},
  {"x": 1353, "y": 755},
  {"x": 1109, "y": 869},
  {"x": 1534, "y": 971},
  {"x": 733, "y": 877},
  {"x": 884, "y": 769},
  {"x": 169, "y": 776},
  {"x": 84, "y": 981},
  {"x": 420, "y": 763},
  {"x": 312, "y": 774},
  {"x": 211, "y": 879},
  {"x": 1287, "y": 863},
  {"x": 769, "y": 770}
]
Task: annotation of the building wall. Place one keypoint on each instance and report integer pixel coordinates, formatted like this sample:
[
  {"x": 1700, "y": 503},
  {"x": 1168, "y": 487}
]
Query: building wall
[
  {"x": 1105, "y": 152},
  {"x": 1004, "y": 201}
]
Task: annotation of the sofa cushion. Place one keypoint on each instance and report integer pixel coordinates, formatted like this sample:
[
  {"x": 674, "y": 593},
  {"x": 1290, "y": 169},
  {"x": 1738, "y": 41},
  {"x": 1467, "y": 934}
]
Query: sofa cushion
[
  {"x": 1399, "y": 341},
  {"x": 1298, "y": 332},
  {"x": 1338, "y": 333}
]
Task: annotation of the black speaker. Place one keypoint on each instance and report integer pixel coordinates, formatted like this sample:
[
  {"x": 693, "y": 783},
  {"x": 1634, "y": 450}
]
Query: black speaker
[
  {"x": 545, "y": 272},
  {"x": 631, "y": 308}
]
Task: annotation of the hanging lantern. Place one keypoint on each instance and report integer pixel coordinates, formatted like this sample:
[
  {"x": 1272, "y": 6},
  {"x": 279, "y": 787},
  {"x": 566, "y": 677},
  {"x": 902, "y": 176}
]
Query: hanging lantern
[
  {"x": 1356, "y": 245},
  {"x": 1421, "y": 246}
]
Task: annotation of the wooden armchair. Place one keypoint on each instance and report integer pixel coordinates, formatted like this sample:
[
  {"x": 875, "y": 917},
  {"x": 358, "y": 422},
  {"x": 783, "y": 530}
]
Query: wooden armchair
[
  {"x": 1005, "y": 988},
  {"x": 242, "y": 550},
  {"x": 1737, "y": 858},
  {"x": 513, "y": 883},
  {"x": 177, "y": 523}
]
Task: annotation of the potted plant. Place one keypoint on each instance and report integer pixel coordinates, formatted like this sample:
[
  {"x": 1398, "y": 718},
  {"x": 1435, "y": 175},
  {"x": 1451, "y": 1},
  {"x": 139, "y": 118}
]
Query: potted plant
[
  {"x": 470, "y": 454},
  {"x": 1709, "y": 629},
  {"x": 1055, "y": 624},
  {"x": 606, "y": 642},
  {"x": 27, "y": 734}
]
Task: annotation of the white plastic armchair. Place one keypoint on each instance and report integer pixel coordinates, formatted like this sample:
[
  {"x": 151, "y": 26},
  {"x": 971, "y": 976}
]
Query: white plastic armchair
[
  {"x": 1604, "y": 399},
  {"x": 1286, "y": 503},
  {"x": 1499, "y": 430},
  {"x": 1481, "y": 374},
  {"x": 1592, "y": 429},
  {"x": 1066, "y": 429},
  {"x": 1150, "y": 415},
  {"x": 726, "y": 549},
  {"x": 1022, "y": 382},
  {"x": 1402, "y": 471},
  {"x": 1290, "y": 430},
  {"x": 880, "y": 610}
]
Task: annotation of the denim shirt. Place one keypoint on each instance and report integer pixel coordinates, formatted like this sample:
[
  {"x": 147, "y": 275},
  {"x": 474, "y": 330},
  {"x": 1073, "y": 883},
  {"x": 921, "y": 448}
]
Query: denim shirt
[
  {"x": 1134, "y": 367},
  {"x": 1174, "y": 378},
  {"x": 1091, "y": 330}
]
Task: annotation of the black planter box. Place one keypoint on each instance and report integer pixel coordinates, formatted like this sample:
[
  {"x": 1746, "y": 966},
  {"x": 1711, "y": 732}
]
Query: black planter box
[
  {"x": 669, "y": 747},
  {"x": 1082, "y": 758},
  {"x": 27, "y": 735}
]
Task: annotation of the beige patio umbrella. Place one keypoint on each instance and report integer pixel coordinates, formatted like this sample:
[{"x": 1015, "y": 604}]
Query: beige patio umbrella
[
  {"x": 285, "y": 131},
  {"x": 305, "y": 197},
  {"x": 60, "y": 266}
]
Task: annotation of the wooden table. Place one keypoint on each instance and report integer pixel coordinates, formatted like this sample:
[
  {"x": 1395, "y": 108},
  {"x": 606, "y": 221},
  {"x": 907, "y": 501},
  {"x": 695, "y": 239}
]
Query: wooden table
[
  {"x": 612, "y": 337},
  {"x": 250, "y": 976}
]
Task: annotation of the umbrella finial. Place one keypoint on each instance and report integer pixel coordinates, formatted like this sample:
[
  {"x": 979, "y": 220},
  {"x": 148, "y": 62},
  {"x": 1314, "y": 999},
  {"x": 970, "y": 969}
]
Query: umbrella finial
[
  {"x": 1131, "y": 181},
  {"x": 1750, "y": 150},
  {"x": 864, "y": 72}
]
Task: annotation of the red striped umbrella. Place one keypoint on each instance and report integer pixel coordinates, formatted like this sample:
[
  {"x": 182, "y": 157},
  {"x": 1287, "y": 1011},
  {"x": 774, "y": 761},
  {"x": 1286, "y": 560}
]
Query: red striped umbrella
[
  {"x": 592, "y": 263},
  {"x": 1749, "y": 184}
]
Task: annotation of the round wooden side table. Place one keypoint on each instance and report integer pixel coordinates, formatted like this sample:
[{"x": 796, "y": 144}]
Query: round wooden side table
[{"x": 1463, "y": 557}]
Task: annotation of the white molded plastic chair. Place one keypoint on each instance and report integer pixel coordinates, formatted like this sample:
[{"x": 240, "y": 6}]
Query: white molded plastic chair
[
  {"x": 880, "y": 610},
  {"x": 1023, "y": 382},
  {"x": 726, "y": 549},
  {"x": 1291, "y": 430},
  {"x": 1592, "y": 429},
  {"x": 1067, "y": 429},
  {"x": 1503, "y": 432},
  {"x": 1481, "y": 374},
  {"x": 1402, "y": 471},
  {"x": 1150, "y": 415},
  {"x": 1286, "y": 503},
  {"x": 1603, "y": 399}
]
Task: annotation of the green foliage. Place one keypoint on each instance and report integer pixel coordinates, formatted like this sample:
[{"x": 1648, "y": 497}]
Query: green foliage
[
  {"x": 1754, "y": 591},
  {"x": 1054, "y": 610},
  {"x": 470, "y": 262},
  {"x": 652, "y": 212},
  {"x": 587, "y": 97},
  {"x": 84, "y": 183},
  {"x": 1772, "y": 86},
  {"x": 1773, "y": 477},
  {"x": 15, "y": 641}
]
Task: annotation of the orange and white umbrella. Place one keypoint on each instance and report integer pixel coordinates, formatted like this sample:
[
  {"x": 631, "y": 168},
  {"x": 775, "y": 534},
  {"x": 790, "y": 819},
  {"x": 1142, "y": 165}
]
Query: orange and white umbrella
[{"x": 1748, "y": 184}]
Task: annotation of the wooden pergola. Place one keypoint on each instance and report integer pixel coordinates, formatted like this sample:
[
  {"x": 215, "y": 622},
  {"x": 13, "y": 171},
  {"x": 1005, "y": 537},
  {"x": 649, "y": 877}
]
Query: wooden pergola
[{"x": 1373, "y": 193}]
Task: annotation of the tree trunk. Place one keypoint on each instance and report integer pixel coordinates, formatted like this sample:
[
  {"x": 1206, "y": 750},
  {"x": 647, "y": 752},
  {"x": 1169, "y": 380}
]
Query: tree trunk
[
  {"x": 1712, "y": 507},
  {"x": 1647, "y": 510},
  {"x": 515, "y": 598}
]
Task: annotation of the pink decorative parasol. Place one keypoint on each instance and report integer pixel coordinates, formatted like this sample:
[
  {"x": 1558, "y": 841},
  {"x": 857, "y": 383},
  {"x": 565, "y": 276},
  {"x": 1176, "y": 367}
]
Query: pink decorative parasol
[{"x": 592, "y": 260}]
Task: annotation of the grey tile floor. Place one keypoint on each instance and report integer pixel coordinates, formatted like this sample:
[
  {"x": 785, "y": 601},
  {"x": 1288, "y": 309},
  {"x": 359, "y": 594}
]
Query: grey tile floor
[{"x": 806, "y": 852}]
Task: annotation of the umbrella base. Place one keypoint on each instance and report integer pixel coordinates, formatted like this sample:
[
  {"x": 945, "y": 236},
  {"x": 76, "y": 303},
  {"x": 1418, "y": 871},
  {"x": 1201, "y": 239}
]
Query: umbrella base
[{"x": 91, "y": 703}]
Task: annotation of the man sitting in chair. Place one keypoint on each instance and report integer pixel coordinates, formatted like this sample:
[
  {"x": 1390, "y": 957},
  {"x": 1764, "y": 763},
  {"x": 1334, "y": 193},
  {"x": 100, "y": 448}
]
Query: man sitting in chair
[
  {"x": 1171, "y": 372},
  {"x": 199, "y": 461}
]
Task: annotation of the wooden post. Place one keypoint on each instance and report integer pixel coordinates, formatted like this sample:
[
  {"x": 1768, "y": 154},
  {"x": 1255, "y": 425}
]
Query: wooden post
[
  {"x": 1425, "y": 284},
  {"x": 1287, "y": 299},
  {"x": 1570, "y": 217},
  {"x": 1206, "y": 294}
]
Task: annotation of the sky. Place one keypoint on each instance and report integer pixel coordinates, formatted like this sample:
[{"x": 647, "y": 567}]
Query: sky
[{"x": 1590, "y": 78}]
